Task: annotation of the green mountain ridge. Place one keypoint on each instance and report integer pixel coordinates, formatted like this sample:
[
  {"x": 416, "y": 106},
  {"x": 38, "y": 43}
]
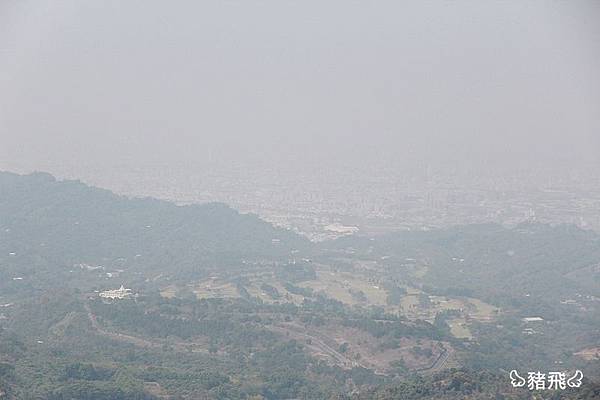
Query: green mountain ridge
[{"x": 69, "y": 220}]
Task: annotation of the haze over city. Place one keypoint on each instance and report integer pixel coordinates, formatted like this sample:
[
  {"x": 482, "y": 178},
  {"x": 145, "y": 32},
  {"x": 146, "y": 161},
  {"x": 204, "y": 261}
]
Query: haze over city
[{"x": 271, "y": 105}]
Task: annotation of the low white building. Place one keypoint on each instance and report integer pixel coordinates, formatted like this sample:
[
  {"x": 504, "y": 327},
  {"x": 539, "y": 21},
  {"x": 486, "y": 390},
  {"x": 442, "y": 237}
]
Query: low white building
[
  {"x": 120, "y": 293},
  {"x": 533, "y": 319}
]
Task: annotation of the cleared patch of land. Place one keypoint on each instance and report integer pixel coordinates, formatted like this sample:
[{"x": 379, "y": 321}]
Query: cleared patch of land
[
  {"x": 360, "y": 285},
  {"x": 215, "y": 288},
  {"x": 350, "y": 347},
  {"x": 589, "y": 354},
  {"x": 459, "y": 328}
]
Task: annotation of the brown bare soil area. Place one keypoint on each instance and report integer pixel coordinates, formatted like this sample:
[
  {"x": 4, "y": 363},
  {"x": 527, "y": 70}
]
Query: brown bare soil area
[{"x": 351, "y": 347}]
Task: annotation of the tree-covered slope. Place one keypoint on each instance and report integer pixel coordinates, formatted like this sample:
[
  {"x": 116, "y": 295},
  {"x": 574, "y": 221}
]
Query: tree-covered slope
[
  {"x": 68, "y": 222},
  {"x": 493, "y": 262}
]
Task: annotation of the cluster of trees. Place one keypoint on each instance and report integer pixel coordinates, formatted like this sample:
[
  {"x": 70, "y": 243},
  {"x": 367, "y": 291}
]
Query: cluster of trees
[
  {"x": 460, "y": 384},
  {"x": 394, "y": 294},
  {"x": 297, "y": 290},
  {"x": 296, "y": 272},
  {"x": 271, "y": 291},
  {"x": 397, "y": 328}
]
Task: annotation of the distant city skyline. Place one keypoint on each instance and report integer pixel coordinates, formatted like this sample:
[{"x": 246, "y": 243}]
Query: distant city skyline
[{"x": 385, "y": 115}]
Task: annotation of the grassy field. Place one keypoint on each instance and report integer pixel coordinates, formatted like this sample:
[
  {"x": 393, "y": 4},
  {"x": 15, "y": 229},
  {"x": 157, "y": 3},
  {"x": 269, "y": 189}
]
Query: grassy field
[
  {"x": 214, "y": 288},
  {"x": 169, "y": 292},
  {"x": 339, "y": 286},
  {"x": 459, "y": 328},
  {"x": 354, "y": 288}
]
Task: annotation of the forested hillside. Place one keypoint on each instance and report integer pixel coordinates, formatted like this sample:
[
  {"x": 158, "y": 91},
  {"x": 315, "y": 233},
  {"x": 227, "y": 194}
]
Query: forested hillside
[
  {"x": 220, "y": 305},
  {"x": 67, "y": 223},
  {"x": 502, "y": 265}
]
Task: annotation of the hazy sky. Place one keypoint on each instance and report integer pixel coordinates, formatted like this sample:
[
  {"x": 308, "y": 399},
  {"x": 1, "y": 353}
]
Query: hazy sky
[{"x": 160, "y": 81}]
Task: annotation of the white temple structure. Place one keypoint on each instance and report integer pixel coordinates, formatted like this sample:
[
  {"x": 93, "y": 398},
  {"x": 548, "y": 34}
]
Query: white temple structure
[{"x": 120, "y": 293}]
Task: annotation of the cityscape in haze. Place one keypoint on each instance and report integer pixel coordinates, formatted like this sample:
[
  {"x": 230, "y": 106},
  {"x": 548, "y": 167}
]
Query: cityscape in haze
[
  {"x": 315, "y": 200},
  {"x": 382, "y": 116},
  {"x": 330, "y": 200}
]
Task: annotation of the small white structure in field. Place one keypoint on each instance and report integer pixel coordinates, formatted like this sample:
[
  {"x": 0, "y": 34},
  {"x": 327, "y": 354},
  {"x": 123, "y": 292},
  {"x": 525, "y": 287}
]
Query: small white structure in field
[
  {"x": 341, "y": 229},
  {"x": 120, "y": 293},
  {"x": 533, "y": 319}
]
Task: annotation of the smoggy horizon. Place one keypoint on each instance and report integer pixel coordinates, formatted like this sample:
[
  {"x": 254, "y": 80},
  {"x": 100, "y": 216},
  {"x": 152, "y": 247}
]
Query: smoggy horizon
[{"x": 464, "y": 86}]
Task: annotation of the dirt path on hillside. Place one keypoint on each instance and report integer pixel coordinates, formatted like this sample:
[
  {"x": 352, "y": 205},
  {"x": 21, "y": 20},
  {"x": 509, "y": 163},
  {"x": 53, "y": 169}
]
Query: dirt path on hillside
[
  {"x": 318, "y": 344},
  {"x": 440, "y": 361},
  {"x": 178, "y": 345}
]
